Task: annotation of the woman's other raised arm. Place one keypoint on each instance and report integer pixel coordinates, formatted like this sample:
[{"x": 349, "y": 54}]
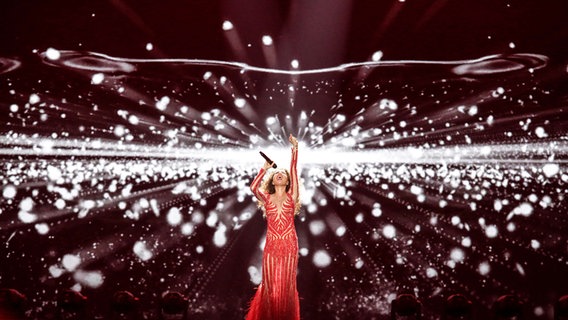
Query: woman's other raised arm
[
  {"x": 255, "y": 184},
  {"x": 294, "y": 185}
]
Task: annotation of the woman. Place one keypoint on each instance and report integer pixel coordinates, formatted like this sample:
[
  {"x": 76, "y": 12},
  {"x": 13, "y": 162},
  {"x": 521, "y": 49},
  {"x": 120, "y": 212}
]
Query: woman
[{"x": 276, "y": 297}]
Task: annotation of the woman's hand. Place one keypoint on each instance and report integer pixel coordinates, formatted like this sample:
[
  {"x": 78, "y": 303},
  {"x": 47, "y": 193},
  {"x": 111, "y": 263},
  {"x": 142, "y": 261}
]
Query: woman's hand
[
  {"x": 293, "y": 141},
  {"x": 267, "y": 165}
]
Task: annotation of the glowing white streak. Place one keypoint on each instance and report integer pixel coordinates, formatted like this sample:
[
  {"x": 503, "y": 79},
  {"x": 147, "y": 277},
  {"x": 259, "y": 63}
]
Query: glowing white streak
[
  {"x": 10, "y": 65},
  {"x": 468, "y": 154},
  {"x": 323, "y": 155},
  {"x": 342, "y": 67},
  {"x": 46, "y": 215}
]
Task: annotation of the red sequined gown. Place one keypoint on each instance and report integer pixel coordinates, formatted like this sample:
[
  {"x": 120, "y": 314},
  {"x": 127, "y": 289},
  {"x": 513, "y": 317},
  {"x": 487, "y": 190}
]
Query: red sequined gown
[{"x": 277, "y": 297}]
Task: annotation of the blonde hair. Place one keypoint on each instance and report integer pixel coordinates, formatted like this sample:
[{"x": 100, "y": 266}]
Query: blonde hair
[{"x": 268, "y": 187}]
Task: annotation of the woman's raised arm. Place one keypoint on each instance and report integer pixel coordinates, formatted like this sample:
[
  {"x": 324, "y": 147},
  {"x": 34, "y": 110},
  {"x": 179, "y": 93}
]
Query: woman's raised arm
[
  {"x": 255, "y": 184},
  {"x": 294, "y": 186}
]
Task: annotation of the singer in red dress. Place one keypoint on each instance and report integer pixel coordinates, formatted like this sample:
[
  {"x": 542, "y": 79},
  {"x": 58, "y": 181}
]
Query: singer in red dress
[{"x": 277, "y": 297}]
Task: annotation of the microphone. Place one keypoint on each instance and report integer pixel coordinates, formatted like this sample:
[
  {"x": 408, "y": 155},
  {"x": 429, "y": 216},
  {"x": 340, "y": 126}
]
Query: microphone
[{"x": 267, "y": 159}]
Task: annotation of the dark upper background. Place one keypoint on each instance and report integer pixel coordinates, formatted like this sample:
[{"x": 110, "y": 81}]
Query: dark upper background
[{"x": 319, "y": 33}]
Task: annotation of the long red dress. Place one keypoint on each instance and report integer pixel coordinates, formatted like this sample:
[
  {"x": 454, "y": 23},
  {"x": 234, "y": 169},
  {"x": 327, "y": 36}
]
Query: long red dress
[{"x": 277, "y": 297}]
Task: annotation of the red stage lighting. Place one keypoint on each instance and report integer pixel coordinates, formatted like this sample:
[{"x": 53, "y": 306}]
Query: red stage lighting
[
  {"x": 125, "y": 305},
  {"x": 508, "y": 307},
  {"x": 458, "y": 307},
  {"x": 72, "y": 305},
  {"x": 406, "y": 305},
  {"x": 13, "y": 304},
  {"x": 561, "y": 308},
  {"x": 173, "y": 306}
]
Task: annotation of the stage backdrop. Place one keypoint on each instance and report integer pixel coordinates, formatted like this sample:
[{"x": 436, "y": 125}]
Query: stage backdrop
[{"x": 433, "y": 150}]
